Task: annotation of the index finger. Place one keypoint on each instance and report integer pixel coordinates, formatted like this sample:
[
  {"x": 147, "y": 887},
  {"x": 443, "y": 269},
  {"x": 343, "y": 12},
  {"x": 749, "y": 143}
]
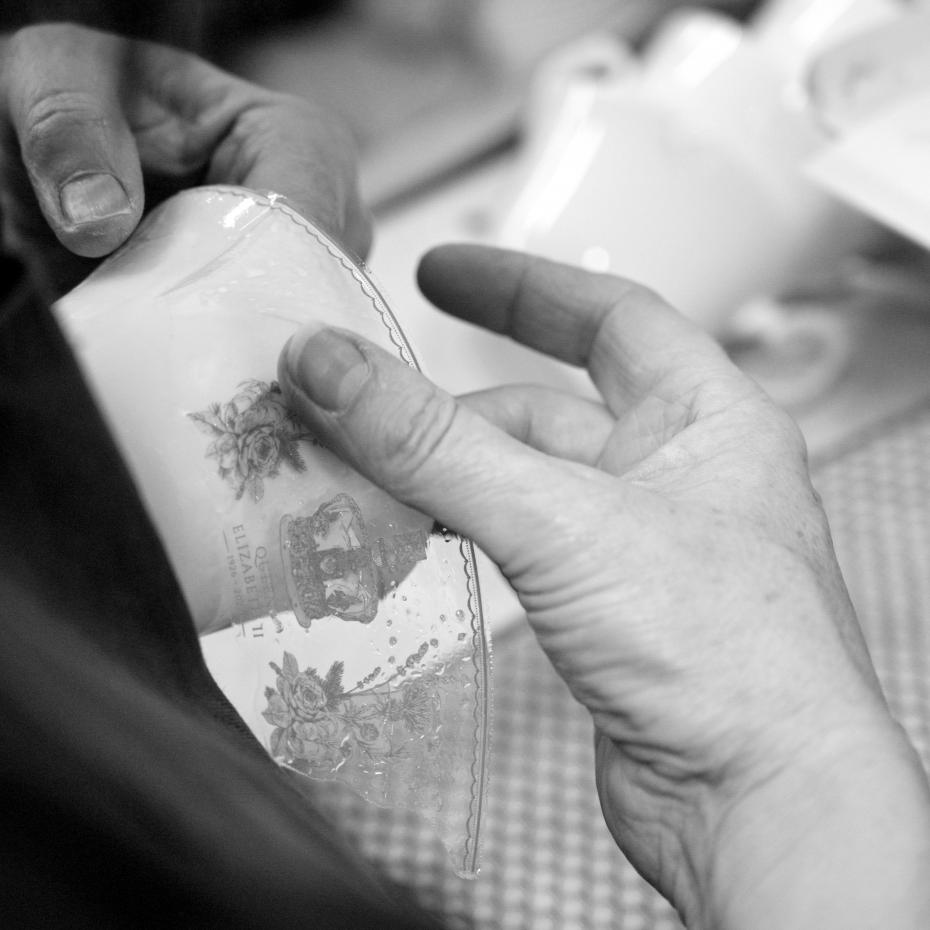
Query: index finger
[
  {"x": 189, "y": 115},
  {"x": 632, "y": 342},
  {"x": 295, "y": 148}
]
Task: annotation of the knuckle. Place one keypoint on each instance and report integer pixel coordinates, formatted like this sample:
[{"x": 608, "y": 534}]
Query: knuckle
[
  {"x": 250, "y": 134},
  {"x": 316, "y": 149},
  {"x": 787, "y": 433},
  {"x": 417, "y": 435},
  {"x": 49, "y": 122}
]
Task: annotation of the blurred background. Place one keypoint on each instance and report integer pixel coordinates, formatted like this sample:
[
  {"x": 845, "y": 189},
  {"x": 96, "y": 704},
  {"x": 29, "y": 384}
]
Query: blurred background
[
  {"x": 657, "y": 139},
  {"x": 669, "y": 142}
]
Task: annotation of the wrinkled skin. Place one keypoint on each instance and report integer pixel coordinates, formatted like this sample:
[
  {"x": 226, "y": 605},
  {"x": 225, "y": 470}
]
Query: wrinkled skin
[
  {"x": 676, "y": 566},
  {"x": 129, "y": 122}
]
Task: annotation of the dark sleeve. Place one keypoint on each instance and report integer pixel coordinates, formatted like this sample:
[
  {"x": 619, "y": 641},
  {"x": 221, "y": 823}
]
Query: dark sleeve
[
  {"x": 133, "y": 795},
  {"x": 204, "y": 26},
  {"x": 175, "y": 22}
]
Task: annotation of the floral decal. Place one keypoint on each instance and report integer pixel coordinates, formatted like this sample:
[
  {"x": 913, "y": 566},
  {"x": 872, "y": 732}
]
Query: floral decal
[
  {"x": 319, "y": 726},
  {"x": 253, "y": 434}
]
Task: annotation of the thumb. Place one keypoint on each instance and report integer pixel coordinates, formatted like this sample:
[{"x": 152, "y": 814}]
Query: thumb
[
  {"x": 63, "y": 100},
  {"x": 421, "y": 445}
]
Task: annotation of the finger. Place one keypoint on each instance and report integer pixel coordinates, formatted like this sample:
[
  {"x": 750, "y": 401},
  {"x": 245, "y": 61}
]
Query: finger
[
  {"x": 295, "y": 148},
  {"x": 427, "y": 450},
  {"x": 195, "y": 122},
  {"x": 554, "y": 422},
  {"x": 62, "y": 88},
  {"x": 632, "y": 342}
]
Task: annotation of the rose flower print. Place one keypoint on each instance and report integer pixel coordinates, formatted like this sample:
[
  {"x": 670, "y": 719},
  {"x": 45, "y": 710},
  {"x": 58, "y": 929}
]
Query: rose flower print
[
  {"x": 253, "y": 434},
  {"x": 320, "y": 727}
]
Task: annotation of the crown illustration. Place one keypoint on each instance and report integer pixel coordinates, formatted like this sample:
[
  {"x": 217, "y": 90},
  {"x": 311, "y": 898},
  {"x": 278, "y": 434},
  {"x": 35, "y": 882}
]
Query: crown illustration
[{"x": 348, "y": 580}]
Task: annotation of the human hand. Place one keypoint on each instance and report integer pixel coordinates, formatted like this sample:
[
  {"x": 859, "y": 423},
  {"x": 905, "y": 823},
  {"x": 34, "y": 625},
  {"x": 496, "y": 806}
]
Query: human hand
[
  {"x": 675, "y": 565},
  {"x": 99, "y": 127}
]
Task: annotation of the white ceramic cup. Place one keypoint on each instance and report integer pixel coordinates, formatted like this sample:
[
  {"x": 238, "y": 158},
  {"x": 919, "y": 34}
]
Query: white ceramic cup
[
  {"x": 682, "y": 173},
  {"x": 796, "y": 31},
  {"x": 179, "y": 334}
]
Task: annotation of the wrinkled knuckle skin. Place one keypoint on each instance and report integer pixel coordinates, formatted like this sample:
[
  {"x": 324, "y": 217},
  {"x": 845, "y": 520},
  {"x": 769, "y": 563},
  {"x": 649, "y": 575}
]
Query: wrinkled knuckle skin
[
  {"x": 49, "y": 124},
  {"x": 416, "y": 434},
  {"x": 790, "y": 436}
]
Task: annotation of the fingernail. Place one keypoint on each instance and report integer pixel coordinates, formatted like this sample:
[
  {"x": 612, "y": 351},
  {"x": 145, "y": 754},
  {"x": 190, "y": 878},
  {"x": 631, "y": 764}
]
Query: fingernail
[
  {"x": 328, "y": 366},
  {"x": 91, "y": 197}
]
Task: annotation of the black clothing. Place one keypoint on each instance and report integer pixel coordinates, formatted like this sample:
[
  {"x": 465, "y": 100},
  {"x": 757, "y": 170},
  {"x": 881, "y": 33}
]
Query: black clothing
[{"x": 132, "y": 793}]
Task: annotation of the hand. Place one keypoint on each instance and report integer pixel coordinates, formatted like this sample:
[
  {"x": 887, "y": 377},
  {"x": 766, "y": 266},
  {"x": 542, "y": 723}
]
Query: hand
[
  {"x": 99, "y": 127},
  {"x": 675, "y": 565}
]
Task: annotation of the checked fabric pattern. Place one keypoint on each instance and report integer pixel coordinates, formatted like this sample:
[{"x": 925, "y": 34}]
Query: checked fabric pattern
[{"x": 548, "y": 862}]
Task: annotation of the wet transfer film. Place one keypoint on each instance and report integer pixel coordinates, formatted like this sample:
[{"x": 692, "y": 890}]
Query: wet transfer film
[{"x": 345, "y": 627}]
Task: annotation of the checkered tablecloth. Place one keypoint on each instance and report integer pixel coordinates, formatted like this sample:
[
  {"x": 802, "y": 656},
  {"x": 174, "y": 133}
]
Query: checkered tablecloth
[
  {"x": 548, "y": 862},
  {"x": 876, "y": 491}
]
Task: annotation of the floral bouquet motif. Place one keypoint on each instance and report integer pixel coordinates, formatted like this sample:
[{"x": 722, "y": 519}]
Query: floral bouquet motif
[
  {"x": 253, "y": 434},
  {"x": 320, "y": 727}
]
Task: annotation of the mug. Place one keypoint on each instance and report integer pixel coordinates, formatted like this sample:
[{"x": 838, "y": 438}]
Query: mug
[
  {"x": 345, "y": 627},
  {"x": 794, "y": 32},
  {"x": 680, "y": 170}
]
